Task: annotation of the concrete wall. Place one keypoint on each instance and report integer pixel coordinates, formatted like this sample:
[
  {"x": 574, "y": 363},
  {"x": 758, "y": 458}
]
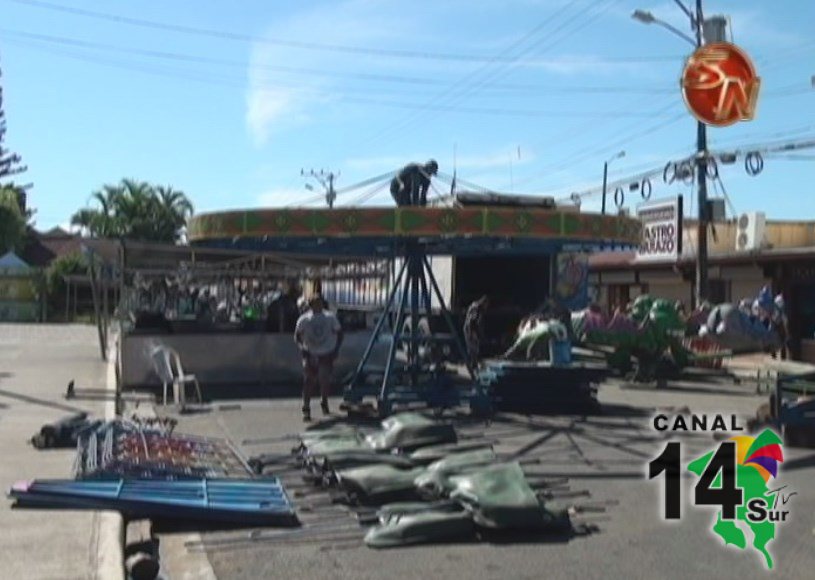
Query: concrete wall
[
  {"x": 777, "y": 234},
  {"x": 237, "y": 359}
]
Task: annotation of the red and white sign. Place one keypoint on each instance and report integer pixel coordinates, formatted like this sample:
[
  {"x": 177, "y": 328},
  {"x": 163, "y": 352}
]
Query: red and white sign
[
  {"x": 661, "y": 229},
  {"x": 720, "y": 85}
]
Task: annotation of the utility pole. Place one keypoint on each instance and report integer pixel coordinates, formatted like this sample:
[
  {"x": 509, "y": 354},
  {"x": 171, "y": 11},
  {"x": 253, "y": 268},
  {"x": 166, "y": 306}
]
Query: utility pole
[
  {"x": 605, "y": 178},
  {"x": 716, "y": 28},
  {"x": 326, "y": 179},
  {"x": 701, "y": 179}
]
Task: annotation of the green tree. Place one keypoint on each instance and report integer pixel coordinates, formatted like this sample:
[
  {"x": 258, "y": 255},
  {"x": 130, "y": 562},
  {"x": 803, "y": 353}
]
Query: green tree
[
  {"x": 136, "y": 210},
  {"x": 12, "y": 221},
  {"x": 55, "y": 286},
  {"x": 12, "y": 218},
  {"x": 9, "y": 162}
]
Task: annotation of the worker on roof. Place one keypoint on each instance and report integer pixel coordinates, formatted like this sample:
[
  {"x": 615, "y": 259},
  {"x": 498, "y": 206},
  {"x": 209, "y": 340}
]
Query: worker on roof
[{"x": 410, "y": 185}]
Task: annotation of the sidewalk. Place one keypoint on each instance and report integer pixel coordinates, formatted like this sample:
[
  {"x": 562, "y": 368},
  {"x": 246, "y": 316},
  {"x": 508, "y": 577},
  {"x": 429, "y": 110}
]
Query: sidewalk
[
  {"x": 36, "y": 363},
  {"x": 749, "y": 365}
]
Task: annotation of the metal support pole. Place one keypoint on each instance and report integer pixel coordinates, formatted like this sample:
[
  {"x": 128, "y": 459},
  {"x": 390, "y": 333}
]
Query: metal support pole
[
  {"x": 378, "y": 328},
  {"x": 701, "y": 176},
  {"x": 448, "y": 318},
  {"x": 97, "y": 310},
  {"x": 67, "y": 298},
  {"x": 605, "y": 185},
  {"x": 415, "y": 273},
  {"x": 397, "y": 335}
]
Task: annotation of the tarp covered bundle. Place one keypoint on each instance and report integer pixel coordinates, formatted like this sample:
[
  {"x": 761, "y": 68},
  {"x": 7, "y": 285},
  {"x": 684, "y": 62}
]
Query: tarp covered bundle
[
  {"x": 401, "y": 432},
  {"x": 424, "y": 485},
  {"x": 490, "y": 497}
]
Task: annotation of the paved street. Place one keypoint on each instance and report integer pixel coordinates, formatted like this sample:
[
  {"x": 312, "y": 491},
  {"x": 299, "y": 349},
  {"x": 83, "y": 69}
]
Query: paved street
[
  {"x": 36, "y": 363},
  {"x": 606, "y": 455}
]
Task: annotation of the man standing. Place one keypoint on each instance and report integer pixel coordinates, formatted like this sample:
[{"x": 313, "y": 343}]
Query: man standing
[
  {"x": 318, "y": 335},
  {"x": 410, "y": 185},
  {"x": 474, "y": 328}
]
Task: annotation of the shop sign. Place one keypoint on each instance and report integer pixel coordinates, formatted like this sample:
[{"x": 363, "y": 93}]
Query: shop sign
[{"x": 661, "y": 229}]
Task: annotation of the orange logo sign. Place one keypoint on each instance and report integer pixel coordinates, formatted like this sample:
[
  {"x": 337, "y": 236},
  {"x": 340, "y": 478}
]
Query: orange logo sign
[{"x": 720, "y": 85}]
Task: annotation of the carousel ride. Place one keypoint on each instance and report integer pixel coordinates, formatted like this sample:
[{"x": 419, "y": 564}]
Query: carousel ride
[{"x": 422, "y": 365}]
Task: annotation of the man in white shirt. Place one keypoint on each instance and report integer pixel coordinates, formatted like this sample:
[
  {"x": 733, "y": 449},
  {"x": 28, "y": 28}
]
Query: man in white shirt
[{"x": 318, "y": 335}]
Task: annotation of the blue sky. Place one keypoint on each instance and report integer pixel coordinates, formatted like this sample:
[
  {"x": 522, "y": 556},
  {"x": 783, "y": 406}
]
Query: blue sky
[{"x": 532, "y": 96}]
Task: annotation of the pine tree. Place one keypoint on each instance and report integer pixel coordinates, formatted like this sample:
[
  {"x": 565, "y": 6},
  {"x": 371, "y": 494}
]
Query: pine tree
[
  {"x": 9, "y": 162},
  {"x": 13, "y": 216}
]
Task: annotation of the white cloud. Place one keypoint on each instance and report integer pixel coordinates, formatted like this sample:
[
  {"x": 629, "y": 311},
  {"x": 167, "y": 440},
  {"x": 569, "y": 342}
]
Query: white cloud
[
  {"x": 263, "y": 108},
  {"x": 273, "y": 100}
]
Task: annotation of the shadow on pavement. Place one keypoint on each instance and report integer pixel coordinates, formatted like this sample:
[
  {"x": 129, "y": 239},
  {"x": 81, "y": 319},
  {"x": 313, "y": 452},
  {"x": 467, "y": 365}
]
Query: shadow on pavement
[
  {"x": 685, "y": 388},
  {"x": 42, "y": 402}
]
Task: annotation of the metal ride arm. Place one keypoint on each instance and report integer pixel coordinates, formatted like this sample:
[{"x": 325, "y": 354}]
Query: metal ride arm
[
  {"x": 397, "y": 333},
  {"x": 413, "y": 285},
  {"x": 446, "y": 313},
  {"x": 378, "y": 328}
]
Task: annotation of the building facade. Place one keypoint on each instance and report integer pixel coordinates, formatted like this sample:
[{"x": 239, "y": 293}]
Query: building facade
[{"x": 744, "y": 256}]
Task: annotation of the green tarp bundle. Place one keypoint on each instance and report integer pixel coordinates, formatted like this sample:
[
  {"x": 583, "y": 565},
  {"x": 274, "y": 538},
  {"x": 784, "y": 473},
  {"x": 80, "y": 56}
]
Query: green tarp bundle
[
  {"x": 496, "y": 497},
  {"x": 405, "y": 431},
  {"x": 372, "y": 481},
  {"x": 500, "y": 497},
  {"x": 435, "y": 480}
]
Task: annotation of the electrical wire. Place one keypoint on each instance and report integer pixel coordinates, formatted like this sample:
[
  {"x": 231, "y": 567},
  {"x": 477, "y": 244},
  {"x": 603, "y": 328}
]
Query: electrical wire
[
  {"x": 242, "y": 37},
  {"x": 569, "y": 162},
  {"x": 455, "y": 90},
  {"x": 310, "y": 72},
  {"x": 336, "y": 96},
  {"x": 368, "y": 195}
]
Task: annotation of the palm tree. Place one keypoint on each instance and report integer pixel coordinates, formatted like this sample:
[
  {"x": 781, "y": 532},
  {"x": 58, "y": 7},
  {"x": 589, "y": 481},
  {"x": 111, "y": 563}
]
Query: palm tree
[
  {"x": 175, "y": 208},
  {"x": 136, "y": 210}
]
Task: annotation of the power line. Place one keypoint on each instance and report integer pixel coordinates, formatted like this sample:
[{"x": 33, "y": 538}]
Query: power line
[
  {"x": 306, "y": 71},
  {"x": 336, "y": 95},
  {"x": 242, "y": 37},
  {"x": 627, "y": 138},
  {"x": 457, "y": 91}
]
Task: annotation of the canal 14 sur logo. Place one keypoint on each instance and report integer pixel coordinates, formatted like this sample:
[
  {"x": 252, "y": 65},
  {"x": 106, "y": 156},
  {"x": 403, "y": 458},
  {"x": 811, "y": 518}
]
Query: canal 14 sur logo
[{"x": 739, "y": 476}]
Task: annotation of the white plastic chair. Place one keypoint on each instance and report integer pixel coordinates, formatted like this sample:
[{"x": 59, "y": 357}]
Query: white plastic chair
[{"x": 167, "y": 363}]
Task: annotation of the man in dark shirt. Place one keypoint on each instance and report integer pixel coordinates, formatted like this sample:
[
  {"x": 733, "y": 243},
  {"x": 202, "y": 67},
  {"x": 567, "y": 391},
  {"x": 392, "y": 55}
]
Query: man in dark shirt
[
  {"x": 474, "y": 328},
  {"x": 410, "y": 185}
]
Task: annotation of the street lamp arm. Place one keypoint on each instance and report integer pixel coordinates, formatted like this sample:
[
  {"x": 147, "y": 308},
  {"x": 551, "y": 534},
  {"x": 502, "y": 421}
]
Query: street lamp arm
[
  {"x": 676, "y": 31},
  {"x": 687, "y": 11}
]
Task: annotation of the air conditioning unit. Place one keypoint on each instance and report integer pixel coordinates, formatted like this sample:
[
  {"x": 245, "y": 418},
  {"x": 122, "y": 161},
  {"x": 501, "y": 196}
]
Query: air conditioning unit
[
  {"x": 717, "y": 210},
  {"x": 750, "y": 231}
]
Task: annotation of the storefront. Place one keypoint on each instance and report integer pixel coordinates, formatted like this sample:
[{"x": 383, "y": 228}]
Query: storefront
[{"x": 618, "y": 278}]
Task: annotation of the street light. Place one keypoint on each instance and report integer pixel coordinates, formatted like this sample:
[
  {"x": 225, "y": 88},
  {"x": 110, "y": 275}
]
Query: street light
[
  {"x": 605, "y": 177},
  {"x": 697, "y": 22},
  {"x": 647, "y": 18}
]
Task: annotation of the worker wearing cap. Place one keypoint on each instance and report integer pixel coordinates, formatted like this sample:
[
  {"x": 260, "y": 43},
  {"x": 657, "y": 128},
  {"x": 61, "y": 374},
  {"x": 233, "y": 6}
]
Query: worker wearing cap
[
  {"x": 410, "y": 185},
  {"x": 318, "y": 335}
]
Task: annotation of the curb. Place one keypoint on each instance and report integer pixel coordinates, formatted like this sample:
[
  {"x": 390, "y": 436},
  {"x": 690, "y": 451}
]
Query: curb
[
  {"x": 109, "y": 557},
  {"x": 191, "y": 564}
]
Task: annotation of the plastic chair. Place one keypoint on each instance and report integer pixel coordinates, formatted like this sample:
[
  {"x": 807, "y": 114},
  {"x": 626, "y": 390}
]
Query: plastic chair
[{"x": 167, "y": 363}]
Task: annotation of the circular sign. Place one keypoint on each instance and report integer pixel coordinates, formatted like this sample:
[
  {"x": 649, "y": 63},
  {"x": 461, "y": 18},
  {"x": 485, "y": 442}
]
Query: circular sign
[{"x": 720, "y": 85}]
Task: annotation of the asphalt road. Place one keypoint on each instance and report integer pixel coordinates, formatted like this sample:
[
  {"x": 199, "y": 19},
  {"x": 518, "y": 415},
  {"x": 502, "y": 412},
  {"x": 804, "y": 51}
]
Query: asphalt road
[{"x": 606, "y": 455}]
